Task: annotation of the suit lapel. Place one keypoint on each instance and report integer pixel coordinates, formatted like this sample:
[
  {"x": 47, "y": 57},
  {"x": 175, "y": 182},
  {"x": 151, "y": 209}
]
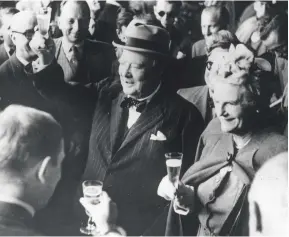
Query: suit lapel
[
  {"x": 149, "y": 117},
  {"x": 117, "y": 113}
]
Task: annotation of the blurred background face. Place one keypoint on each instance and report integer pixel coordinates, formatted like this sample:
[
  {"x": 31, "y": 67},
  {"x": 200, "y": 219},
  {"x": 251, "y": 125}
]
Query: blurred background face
[
  {"x": 5, "y": 30},
  {"x": 26, "y": 26},
  {"x": 74, "y": 22},
  {"x": 136, "y": 74},
  {"x": 209, "y": 23},
  {"x": 166, "y": 13},
  {"x": 230, "y": 108}
]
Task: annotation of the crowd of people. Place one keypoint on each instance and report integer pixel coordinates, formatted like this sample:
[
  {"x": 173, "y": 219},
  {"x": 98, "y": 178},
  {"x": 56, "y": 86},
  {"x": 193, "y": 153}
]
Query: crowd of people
[{"x": 114, "y": 86}]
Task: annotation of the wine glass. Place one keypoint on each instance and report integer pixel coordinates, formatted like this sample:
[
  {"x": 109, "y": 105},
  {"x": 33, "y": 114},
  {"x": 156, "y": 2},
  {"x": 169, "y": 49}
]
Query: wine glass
[{"x": 92, "y": 190}]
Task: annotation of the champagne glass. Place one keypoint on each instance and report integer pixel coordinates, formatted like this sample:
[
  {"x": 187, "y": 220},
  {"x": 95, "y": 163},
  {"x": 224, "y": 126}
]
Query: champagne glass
[
  {"x": 92, "y": 190},
  {"x": 43, "y": 20},
  {"x": 174, "y": 163}
]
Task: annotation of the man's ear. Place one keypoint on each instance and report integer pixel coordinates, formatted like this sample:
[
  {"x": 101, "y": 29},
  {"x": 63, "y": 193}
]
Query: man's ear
[{"x": 43, "y": 168}]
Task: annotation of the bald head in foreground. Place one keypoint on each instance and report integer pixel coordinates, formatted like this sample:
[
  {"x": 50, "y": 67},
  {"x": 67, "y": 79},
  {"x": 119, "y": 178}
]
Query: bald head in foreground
[{"x": 268, "y": 199}]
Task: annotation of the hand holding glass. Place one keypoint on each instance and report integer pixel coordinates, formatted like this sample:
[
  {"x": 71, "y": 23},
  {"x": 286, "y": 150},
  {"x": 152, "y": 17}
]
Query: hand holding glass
[
  {"x": 174, "y": 164},
  {"x": 43, "y": 20},
  {"x": 92, "y": 190}
]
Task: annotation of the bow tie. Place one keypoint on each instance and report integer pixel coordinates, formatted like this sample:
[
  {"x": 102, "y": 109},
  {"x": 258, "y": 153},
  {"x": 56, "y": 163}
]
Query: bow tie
[
  {"x": 129, "y": 102},
  {"x": 11, "y": 51}
]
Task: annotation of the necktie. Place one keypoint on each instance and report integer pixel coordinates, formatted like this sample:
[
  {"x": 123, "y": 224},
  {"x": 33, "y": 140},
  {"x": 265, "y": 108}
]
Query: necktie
[
  {"x": 74, "y": 55},
  {"x": 129, "y": 102}
]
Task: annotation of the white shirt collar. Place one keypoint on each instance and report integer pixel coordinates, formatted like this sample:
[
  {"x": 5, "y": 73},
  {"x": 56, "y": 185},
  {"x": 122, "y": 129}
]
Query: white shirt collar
[
  {"x": 66, "y": 45},
  {"x": 18, "y": 202},
  {"x": 7, "y": 49}
]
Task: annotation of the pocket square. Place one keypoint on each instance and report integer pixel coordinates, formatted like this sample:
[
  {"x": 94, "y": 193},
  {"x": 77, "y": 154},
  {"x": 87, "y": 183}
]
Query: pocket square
[{"x": 159, "y": 137}]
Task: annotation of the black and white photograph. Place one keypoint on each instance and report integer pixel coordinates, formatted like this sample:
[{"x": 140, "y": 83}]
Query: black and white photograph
[{"x": 144, "y": 118}]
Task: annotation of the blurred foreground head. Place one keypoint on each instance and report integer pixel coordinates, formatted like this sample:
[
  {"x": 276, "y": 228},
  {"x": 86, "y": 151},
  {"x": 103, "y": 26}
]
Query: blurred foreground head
[
  {"x": 268, "y": 199},
  {"x": 31, "y": 153}
]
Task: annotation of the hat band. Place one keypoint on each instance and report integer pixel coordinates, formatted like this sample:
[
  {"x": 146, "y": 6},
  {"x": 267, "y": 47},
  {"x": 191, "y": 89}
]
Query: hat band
[{"x": 146, "y": 44}]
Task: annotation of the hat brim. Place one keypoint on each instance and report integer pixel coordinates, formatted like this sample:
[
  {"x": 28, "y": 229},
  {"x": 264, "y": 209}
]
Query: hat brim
[{"x": 135, "y": 49}]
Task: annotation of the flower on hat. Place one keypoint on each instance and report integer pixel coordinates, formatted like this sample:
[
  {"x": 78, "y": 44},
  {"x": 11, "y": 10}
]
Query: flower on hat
[{"x": 234, "y": 66}]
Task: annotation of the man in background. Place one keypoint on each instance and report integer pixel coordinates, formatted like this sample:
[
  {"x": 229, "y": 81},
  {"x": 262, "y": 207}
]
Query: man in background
[
  {"x": 82, "y": 60},
  {"x": 213, "y": 19},
  {"x": 166, "y": 13},
  {"x": 7, "y": 48}
]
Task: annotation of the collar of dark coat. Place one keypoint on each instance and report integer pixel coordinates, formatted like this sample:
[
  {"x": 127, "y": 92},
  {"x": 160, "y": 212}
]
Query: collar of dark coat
[
  {"x": 205, "y": 167},
  {"x": 15, "y": 213}
]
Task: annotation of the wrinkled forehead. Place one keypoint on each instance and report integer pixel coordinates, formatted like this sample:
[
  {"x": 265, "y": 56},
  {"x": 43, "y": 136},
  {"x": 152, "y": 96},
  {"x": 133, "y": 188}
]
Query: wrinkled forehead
[
  {"x": 23, "y": 21},
  {"x": 210, "y": 17},
  {"x": 73, "y": 9}
]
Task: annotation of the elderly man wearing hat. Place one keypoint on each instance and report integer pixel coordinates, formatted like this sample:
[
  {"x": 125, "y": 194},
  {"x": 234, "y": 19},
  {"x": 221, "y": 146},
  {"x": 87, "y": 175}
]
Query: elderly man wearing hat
[{"x": 134, "y": 128}]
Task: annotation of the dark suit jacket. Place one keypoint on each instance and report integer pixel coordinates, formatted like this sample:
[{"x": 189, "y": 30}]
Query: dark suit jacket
[
  {"x": 212, "y": 154},
  {"x": 199, "y": 96},
  {"x": 95, "y": 65},
  {"x": 199, "y": 48},
  {"x": 15, "y": 221},
  {"x": 133, "y": 167},
  {"x": 18, "y": 85},
  {"x": 3, "y": 54}
]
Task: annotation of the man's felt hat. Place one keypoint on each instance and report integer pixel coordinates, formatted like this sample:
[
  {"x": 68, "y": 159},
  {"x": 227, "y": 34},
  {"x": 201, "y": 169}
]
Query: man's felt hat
[{"x": 142, "y": 37}]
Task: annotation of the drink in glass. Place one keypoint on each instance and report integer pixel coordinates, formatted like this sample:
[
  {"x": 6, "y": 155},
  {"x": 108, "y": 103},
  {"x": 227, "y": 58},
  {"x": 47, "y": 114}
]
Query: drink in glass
[
  {"x": 174, "y": 163},
  {"x": 92, "y": 190},
  {"x": 43, "y": 20}
]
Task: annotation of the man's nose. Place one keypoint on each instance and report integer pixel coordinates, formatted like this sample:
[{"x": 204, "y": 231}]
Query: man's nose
[
  {"x": 76, "y": 25},
  {"x": 125, "y": 70},
  {"x": 206, "y": 31}
]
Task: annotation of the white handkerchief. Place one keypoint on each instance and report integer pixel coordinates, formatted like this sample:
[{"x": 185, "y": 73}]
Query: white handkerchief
[{"x": 159, "y": 137}]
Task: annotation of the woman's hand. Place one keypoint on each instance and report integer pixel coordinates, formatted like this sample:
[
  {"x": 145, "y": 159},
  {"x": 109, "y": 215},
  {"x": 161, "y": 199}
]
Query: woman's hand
[{"x": 185, "y": 199}]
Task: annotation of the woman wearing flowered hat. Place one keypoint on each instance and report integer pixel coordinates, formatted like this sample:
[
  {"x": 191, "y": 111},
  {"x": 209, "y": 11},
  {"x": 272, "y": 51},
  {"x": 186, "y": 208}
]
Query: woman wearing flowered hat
[{"x": 214, "y": 189}]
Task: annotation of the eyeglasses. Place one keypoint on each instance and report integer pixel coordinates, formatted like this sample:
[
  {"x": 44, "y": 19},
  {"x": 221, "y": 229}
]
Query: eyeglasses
[
  {"x": 169, "y": 14},
  {"x": 209, "y": 65},
  {"x": 28, "y": 33}
]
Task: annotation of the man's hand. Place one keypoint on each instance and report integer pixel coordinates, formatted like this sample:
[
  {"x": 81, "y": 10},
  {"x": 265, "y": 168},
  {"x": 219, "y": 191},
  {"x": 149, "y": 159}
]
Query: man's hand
[
  {"x": 166, "y": 189},
  {"x": 103, "y": 214},
  {"x": 44, "y": 48}
]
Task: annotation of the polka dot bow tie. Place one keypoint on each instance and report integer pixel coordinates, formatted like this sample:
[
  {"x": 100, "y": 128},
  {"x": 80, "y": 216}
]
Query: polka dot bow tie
[{"x": 129, "y": 102}]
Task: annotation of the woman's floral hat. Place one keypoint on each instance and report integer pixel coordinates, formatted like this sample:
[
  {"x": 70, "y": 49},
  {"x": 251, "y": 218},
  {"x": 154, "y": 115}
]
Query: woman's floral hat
[{"x": 236, "y": 66}]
